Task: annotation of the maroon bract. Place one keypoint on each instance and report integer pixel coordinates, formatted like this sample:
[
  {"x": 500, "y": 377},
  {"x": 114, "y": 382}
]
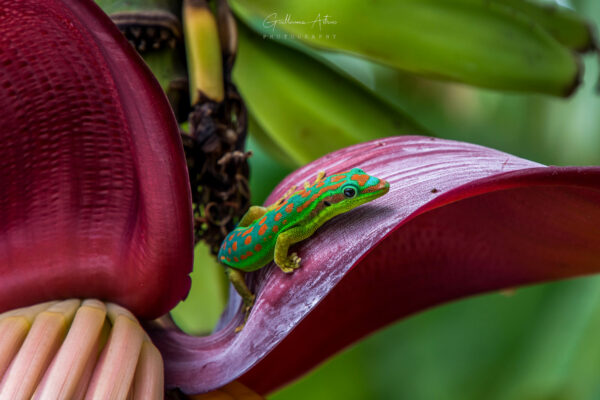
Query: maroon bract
[
  {"x": 94, "y": 197},
  {"x": 459, "y": 219}
]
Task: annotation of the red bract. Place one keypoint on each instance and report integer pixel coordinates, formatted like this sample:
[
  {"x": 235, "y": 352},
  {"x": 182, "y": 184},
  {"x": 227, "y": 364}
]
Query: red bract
[
  {"x": 459, "y": 219},
  {"x": 94, "y": 194}
]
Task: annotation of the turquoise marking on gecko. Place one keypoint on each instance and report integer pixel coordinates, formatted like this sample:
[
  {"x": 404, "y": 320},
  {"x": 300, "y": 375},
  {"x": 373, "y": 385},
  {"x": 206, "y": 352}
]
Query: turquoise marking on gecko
[{"x": 265, "y": 234}]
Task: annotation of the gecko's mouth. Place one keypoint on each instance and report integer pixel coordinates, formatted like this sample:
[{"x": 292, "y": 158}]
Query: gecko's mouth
[
  {"x": 383, "y": 185},
  {"x": 380, "y": 189}
]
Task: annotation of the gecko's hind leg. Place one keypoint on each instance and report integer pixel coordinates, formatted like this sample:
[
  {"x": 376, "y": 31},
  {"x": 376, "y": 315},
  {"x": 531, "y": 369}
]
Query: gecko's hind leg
[
  {"x": 253, "y": 213},
  {"x": 236, "y": 277}
]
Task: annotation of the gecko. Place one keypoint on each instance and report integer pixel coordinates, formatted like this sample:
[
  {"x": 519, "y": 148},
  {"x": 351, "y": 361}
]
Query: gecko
[{"x": 264, "y": 234}]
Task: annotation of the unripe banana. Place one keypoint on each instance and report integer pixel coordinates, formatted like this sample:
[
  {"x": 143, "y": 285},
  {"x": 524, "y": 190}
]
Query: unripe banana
[
  {"x": 479, "y": 42},
  {"x": 563, "y": 24},
  {"x": 305, "y": 108}
]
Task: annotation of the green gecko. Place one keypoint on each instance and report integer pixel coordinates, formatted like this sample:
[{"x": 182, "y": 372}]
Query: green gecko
[{"x": 265, "y": 234}]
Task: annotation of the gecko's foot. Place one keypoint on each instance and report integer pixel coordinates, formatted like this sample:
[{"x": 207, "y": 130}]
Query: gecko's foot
[{"x": 291, "y": 263}]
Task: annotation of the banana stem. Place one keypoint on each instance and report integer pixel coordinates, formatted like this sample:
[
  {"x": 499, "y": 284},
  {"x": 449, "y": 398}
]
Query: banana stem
[{"x": 203, "y": 50}]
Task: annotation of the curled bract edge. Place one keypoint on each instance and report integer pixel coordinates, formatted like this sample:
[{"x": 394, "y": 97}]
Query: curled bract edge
[{"x": 459, "y": 219}]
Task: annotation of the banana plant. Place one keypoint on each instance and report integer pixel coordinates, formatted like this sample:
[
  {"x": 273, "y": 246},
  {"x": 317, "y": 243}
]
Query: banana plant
[{"x": 96, "y": 205}]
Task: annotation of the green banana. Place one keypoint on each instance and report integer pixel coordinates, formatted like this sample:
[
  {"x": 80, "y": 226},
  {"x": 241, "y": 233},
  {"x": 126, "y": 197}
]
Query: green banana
[
  {"x": 269, "y": 144},
  {"x": 563, "y": 24},
  {"x": 479, "y": 42},
  {"x": 306, "y": 109}
]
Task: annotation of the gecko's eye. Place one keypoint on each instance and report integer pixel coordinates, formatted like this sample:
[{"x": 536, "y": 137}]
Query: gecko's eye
[{"x": 349, "y": 192}]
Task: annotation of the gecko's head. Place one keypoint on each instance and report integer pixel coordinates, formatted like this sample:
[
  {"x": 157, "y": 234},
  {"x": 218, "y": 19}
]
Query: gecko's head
[
  {"x": 359, "y": 188},
  {"x": 349, "y": 190}
]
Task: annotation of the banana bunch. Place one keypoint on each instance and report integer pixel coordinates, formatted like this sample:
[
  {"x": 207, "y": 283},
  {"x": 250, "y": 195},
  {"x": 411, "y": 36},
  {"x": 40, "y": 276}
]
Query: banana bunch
[
  {"x": 300, "y": 109},
  {"x": 512, "y": 45}
]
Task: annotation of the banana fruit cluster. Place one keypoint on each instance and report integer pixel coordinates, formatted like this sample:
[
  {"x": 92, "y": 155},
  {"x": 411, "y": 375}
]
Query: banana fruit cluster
[
  {"x": 289, "y": 74},
  {"x": 512, "y": 45},
  {"x": 300, "y": 109}
]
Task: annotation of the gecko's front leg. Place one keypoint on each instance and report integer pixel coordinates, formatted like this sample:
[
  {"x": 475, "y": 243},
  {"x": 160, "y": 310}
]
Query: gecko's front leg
[
  {"x": 288, "y": 263},
  {"x": 236, "y": 278}
]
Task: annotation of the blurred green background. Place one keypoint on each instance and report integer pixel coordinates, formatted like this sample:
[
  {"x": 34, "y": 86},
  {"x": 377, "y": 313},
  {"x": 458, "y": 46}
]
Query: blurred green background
[{"x": 538, "y": 343}]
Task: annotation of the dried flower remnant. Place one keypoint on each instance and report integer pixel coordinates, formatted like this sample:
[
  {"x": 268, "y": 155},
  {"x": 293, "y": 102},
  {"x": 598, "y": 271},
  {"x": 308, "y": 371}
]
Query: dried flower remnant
[
  {"x": 218, "y": 166},
  {"x": 215, "y": 151}
]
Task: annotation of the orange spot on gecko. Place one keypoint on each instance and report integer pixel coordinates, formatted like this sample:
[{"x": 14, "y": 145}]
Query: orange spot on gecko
[
  {"x": 248, "y": 240},
  {"x": 247, "y": 231},
  {"x": 270, "y": 236},
  {"x": 337, "y": 178},
  {"x": 262, "y": 230},
  {"x": 222, "y": 257},
  {"x": 320, "y": 184},
  {"x": 239, "y": 233},
  {"x": 285, "y": 221},
  {"x": 278, "y": 216},
  {"x": 262, "y": 221},
  {"x": 360, "y": 178},
  {"x": 249, "y": 253},
  {"x": 230, "y": 237},
  {"x": 236, "y": 259},
  {"x": 243, "y": 257},
  {"x": 229, "y": 251},
  {"x": 289, "y": 208},
  {"x": 234, "y": 245},
  {"x": 305, "y": 193},
  {"x": 257, "y": 248},
  {"x": 275, "y": 228},
  {"x": 302, "y": 206}
]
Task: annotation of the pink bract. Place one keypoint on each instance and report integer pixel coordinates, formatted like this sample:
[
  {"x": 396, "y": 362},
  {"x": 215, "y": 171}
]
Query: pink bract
[
  {"x": 459, "y": 219},
  {"x": 94, "y": 193}
]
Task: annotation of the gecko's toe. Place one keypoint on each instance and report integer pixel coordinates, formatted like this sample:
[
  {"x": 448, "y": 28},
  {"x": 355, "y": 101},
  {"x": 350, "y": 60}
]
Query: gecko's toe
[{"x": 294, "y": 261}]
